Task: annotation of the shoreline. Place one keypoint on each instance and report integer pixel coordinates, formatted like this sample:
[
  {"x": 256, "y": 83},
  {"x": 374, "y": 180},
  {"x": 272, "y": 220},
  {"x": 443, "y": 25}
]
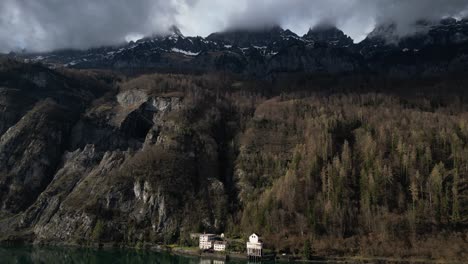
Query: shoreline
[{"x": 194, "y": 252}]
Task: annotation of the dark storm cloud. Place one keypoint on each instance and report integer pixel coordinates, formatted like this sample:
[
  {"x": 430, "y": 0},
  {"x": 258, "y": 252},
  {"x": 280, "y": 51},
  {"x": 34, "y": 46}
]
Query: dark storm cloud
[
  {"x": 54, "y": 24},
  {"x": 344, "y": 13},
  {"x": 406, "y": 13}
]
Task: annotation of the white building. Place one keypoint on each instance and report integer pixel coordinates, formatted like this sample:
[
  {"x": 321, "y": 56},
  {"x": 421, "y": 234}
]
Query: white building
[
  {"x": 219, "y": 246},
  {"x": 206, "y": 241},
  {"x": 254, "y": 246}
]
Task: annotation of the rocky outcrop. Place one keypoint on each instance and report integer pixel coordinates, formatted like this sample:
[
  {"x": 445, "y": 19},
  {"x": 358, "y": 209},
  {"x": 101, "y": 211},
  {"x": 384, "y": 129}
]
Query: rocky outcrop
[
  {"x": 329, "y": 35},
  {"x": 124, "y": 167},
  {"x": 132, "y": 98},
  {"x": 262, "y": 37},
  {"x": 65, "y": 209},
  {"x": 309, "y": 59},
  {"x": 29, "y": 152}
]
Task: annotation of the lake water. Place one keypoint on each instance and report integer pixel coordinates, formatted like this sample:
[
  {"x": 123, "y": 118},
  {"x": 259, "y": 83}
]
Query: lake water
[
  {"x": 66, "y": 255},
  {"x": 52, "y": 255}
]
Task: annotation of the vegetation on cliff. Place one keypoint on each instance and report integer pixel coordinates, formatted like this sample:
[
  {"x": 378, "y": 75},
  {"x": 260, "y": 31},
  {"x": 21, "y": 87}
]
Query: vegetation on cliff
[{"x": 356, "y": 165}]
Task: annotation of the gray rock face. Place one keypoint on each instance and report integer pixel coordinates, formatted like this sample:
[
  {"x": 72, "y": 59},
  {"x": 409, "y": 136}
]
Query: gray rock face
[
  {"x": 330, "y": 35},
  {"x": 163, "y": 104},
  {"x": 123, "y": 169},
  {"x": 132, "y": 98},
  {"x": 29, "y": 152},
  {"x": 62, "y": 219}
]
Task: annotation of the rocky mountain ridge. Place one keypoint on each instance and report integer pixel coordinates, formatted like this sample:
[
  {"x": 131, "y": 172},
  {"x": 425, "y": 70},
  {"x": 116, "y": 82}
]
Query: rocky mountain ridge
[{"x": 264, "y": 52}]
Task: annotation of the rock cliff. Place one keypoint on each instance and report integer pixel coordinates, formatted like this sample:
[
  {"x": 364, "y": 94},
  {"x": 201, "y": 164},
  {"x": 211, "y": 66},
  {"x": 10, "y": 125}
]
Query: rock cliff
[{"x": 124, "y": 165}]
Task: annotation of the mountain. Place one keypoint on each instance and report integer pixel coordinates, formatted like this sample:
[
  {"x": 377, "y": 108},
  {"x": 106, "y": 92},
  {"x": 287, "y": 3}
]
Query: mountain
[
  {"x": 329, "y": 35},
  {"x": 273, "y": 38},
  {"x": 149, "y": 52},
  {"x": 349, "y": 163},
  {"x": 265, "y": 52},
  {"x": 433, "y": 49},
  {"x": 447, "y": 32}
]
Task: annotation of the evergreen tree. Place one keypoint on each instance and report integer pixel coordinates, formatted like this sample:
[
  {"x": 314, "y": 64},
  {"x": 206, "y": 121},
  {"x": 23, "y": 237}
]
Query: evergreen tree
[{"x": 307, "y": 250}]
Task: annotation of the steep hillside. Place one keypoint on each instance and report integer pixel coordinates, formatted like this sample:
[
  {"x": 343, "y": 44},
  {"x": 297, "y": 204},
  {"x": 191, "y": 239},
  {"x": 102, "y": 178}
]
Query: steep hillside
[
  {"x": 143, "y": 162},
  {"x": 94, "y": 157},
  {"x": 339, "y": 167}
]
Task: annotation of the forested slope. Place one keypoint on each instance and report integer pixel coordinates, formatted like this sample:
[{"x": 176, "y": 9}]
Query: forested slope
[
  {"x": 356, "y": 165},
  {"x": 359, "y": 171}
]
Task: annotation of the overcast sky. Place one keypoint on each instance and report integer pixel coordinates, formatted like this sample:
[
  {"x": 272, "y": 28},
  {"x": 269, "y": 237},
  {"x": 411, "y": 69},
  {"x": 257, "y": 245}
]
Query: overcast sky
[{"x": 40, "y": 25}]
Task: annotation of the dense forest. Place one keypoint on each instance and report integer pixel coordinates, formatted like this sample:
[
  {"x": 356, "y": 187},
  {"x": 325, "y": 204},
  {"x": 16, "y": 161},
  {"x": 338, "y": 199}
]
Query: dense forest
[{"x": 353, "y": 165}]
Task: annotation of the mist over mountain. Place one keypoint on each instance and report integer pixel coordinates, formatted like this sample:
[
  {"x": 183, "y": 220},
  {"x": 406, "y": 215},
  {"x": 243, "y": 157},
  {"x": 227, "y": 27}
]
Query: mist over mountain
[
  {"x": 436, "y": 47},
  {"x": 48, "y": 25}
]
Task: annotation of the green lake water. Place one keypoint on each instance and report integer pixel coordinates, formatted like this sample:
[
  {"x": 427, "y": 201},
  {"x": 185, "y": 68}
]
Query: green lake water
[
  {"x": 67, "y": 255},
  {"x": 52, "y": 255}
]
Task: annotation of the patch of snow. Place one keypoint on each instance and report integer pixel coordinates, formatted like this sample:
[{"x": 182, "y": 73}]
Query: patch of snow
[
  {"x": 297, "y": 38},
  {"x": 185, "y": 52},
  {"x": 175, "y": 37},
  {"x": 228, "y": 46},
  {"x": 405, "y": 50},
  {"x": 72, "y": 63},
  {"x": 258, "y": 47}
]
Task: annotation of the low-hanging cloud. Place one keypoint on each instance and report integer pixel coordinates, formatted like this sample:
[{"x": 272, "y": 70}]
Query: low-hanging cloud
[
  {"x": 353, "y": 16},
  {"x": 56, "y": 24},
  {"x": 40, "y": 25}
]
